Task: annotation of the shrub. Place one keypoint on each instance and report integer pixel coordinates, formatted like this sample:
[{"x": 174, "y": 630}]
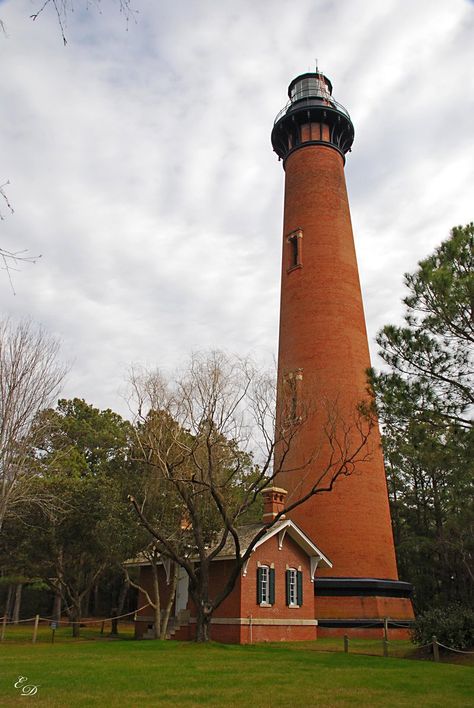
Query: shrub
[{"x": 452, "y": 625}]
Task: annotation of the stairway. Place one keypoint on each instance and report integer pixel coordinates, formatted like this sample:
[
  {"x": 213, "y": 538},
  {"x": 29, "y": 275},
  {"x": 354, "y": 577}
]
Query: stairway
[{"x": 174, "y": 624}]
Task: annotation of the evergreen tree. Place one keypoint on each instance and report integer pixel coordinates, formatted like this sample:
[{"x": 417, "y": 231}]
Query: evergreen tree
[
  {"x": 425, "y": 404},
  {"x": 83, "y": 462}
]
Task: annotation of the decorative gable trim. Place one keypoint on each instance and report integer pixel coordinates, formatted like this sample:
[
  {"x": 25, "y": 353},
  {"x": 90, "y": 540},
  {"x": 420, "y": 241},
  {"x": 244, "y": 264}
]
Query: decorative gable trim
[
  {"x": 313, "y": 567},
  {"x": 281, "y": 536},
  {"x": 300, "y": 538}
]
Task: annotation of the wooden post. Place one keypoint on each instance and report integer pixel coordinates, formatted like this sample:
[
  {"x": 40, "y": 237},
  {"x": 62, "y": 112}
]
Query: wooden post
[
  {"x": 385, "y": 647},
  {"x": 435, "y": 648},
  {"x": 385, "y": 629},
  {"x": 35, "y": 628},
  {"x": 346, "y": 644},
  {"x": 102, "y": 627},
  {"x": 4, "y": 624}
]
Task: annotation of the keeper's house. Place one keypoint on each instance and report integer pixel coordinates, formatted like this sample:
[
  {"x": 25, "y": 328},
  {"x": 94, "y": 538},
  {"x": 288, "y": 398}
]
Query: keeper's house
[{"x": 273, "y": 598}]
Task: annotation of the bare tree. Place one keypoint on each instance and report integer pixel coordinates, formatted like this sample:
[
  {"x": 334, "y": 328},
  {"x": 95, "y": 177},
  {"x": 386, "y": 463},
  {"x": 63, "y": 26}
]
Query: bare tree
[
  {"x": 62, "y": 8},
  {"x": 30, "y": 377},
  {"x": 155, "y": 559},
  {"x": 212, "y": 447},
  {"x": 153, "y": 556},
  {"x": 10, "y": 260}
]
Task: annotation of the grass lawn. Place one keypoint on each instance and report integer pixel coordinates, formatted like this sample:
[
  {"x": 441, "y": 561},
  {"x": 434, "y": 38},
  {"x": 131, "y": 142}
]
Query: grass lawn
[{"x": 148, "y": 673}]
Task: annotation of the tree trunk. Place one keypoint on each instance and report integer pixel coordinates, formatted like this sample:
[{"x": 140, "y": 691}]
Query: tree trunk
[
  {"x": 169, "y": 604},
  {"x": 156, "y": 598},
  {"x": 114, "y": 630},
  {"x": 17, "y": 605},
  {"x": 122, "y": 596},
  {"x": 9, "y": 602},
  {"x": 95, "y": 611},
  {"x": 75, "y": 617},
  {"x": 57, "y": 608},
  {"x": 204, "y": 616},
  {"x": 85, "y": 603}
]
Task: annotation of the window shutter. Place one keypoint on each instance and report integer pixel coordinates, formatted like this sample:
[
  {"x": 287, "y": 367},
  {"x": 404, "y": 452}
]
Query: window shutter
[
  {"x": 299, "y": 588},
  {"x": 272, "y": 586},
  {"x": 259, "y": 586},
  {"x": 287, "y": 575}
]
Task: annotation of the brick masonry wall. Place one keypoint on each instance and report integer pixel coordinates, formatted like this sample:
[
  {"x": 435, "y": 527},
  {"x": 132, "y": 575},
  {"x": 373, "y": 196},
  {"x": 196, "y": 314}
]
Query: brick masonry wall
[
  {"x": 241, "y": 604},
  {"x": 360, "y": 607},
  {"x": 291, "y": 555},
  {"x": 322, "y": 332}
]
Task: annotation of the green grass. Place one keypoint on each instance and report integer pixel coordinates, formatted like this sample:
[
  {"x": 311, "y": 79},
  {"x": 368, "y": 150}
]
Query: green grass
[{"x": 148, "y": 673}]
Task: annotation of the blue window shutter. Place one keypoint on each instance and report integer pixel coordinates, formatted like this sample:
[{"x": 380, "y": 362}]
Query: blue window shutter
[
  {"x": 272, "y": 586},
  {"x": 299, "y": 588},
  {"x": 259, "y": 586},
  {"x": 287, "y": 575}
]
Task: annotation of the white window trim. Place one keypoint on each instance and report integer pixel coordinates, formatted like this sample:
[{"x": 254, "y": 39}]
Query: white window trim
[
  {"x": 293, "y": 587},
  {"x": 265, "y": 595}
]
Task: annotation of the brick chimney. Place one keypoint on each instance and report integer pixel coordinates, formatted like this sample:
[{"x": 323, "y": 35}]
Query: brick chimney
[{"x": 273, "y": 502}]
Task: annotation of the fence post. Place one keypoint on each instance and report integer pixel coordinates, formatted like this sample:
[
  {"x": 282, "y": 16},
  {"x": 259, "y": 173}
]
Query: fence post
[
  {"x": 102, "y": 627},
  {"x": 4, "y": 624},
  {"x": 35, "y": 628},
  {"x": 435, "y": 648},
  {"x": 346, "y": 643},
  {"x": 385, "y": 628},
  {"x": 385, "y": 647}
]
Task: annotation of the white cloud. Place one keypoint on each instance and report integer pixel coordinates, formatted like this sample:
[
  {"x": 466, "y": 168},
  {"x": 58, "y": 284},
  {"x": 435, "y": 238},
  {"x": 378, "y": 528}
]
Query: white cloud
[{"x": 142, "y": 170}]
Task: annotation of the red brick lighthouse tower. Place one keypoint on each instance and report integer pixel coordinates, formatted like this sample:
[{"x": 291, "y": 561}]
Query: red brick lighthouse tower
[{"x": 323, "y": 353}]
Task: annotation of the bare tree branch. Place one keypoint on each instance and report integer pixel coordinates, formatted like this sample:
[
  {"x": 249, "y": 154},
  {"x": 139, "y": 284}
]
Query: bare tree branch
[
  {"x": 62, "y": 9},
  {"x": 212, "y": 443},
  {"x": 30, "y": 378},
  {"x": 9, "y": 260}
]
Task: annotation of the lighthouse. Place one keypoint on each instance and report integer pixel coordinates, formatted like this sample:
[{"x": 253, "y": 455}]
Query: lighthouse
[{"x": 324, "y": 356}]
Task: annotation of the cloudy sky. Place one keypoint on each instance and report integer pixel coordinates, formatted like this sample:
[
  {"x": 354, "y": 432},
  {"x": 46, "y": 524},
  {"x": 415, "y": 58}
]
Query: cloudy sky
[{"x": 140, "y": 165}]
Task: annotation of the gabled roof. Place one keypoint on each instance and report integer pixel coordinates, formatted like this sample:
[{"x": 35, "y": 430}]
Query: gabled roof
[
  {"x": 286, "y": 526},
  {"x": 248, "y": 532}
]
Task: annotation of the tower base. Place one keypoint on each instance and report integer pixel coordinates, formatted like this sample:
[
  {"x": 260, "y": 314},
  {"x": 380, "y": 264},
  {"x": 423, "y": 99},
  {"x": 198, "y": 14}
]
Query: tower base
[{"x": 363, "y": 607}]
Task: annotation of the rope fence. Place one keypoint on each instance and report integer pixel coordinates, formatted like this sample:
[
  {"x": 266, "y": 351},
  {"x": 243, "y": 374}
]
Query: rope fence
[
  {"x": 459, "y": 651},
  {"x": 434, "y": 645},
  {"x": 54, "y": 624},
  {"x": 85, "y": 621}
]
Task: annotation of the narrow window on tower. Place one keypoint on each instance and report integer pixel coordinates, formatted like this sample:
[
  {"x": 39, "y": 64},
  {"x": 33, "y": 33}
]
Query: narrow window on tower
[
  {"x": 293, "y": 382},
  {"x": 294, "y": 241}
]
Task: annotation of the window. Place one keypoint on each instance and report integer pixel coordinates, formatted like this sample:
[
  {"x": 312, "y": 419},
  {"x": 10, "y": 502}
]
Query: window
[
  {"x": 311, "y": 86},
  {"x": 294, "y": 587},
  {"x": 265, "y": 585},
  {"x": 292, "y": 395},
  {"x": 294, "y": 241}
]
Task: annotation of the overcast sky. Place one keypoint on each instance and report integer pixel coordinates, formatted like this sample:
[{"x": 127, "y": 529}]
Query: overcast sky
[{"x": 141, "y": 168}]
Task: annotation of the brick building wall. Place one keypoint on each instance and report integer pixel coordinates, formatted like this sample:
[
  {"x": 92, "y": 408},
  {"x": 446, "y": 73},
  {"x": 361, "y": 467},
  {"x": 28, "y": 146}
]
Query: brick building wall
[{"x": 240, "y": 619}]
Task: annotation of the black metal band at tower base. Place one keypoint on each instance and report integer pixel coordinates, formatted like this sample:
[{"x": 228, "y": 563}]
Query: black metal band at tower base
[
  {"x": 361, "y": 587},
  {"x": 365, "y": 623}
]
